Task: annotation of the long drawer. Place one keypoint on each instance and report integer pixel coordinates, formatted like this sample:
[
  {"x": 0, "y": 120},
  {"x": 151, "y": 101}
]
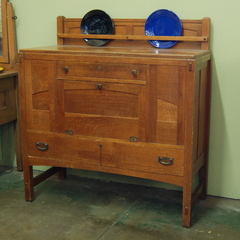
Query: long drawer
[
  {"x": 101, "y": 70},
  {"x": 145, "y": 157}
]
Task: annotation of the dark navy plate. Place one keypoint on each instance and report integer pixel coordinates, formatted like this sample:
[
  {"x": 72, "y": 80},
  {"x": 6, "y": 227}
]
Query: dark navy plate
[
  {"x": 97, "y": 22},
  {"x": 163, "y": 23}
]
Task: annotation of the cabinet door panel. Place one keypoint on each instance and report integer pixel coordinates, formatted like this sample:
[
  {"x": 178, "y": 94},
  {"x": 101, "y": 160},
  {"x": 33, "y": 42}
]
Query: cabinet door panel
[
  {"x": 101, "y": 102},
  {"x": 100, "y": 126},
  {"x": 168, "y": 101},
  {"x": 41, "y": 94},
  {"x": 113, "y": 110}
]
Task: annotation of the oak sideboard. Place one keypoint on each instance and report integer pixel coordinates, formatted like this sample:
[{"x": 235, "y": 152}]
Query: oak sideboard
[{"x": 125, "y": 108}]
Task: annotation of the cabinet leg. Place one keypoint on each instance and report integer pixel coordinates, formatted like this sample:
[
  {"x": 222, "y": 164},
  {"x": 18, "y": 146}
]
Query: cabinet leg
[
  {"x": 18, "y": 148},
  {"x": 62, "y": 174},
  {"x": 28, "y": 183},
  {"x": 187, "y": 208}
]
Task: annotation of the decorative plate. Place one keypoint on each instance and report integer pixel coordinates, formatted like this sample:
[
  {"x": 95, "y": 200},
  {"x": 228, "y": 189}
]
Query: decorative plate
[
  {"x": 97, "y": 22},
  {"x": 163, "y": 23}
]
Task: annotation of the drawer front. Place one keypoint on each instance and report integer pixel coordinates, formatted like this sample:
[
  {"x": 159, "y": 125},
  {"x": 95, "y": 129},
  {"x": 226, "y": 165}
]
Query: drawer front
[
  {"x": 113, "y": 110},
  {"x": 63, "y": 147},
  {"x": 143, "y": 157},
  {"x": 101, "y": 70}
]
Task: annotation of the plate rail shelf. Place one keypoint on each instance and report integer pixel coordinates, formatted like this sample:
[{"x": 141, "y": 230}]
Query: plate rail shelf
[
  {"x": 195, "y": 34},
  {"x": 134, "y": 37}
]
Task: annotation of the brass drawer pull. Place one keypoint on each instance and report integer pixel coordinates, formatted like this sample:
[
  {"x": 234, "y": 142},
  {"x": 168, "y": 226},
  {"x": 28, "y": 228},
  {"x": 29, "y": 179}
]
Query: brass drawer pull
[
  {"x": 42, "y": 146},
  {"x": 165, "y": 160},
  {"x": 99, "y": 86},
  {"x": 133, "y": 139},
  {"x": 69, "y": 132},
  {"x": 65, "y": 69},
  {"x": 134, "y": 72}
]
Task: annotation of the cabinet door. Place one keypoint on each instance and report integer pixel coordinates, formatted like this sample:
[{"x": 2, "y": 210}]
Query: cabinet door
[{"x": 102, "y": 109}]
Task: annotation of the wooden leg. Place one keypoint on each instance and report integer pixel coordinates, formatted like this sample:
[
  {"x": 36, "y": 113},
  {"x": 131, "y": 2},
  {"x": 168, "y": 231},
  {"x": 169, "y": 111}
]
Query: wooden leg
[
  {"x": 62, "y": 174},
  {"x": 18, "y": 148},
  {"x": 187, "y": 206},
  {"x": 31, "y": 181},
  {"x": 28, "y": 183},
  {"x": 17, "y": 130}
]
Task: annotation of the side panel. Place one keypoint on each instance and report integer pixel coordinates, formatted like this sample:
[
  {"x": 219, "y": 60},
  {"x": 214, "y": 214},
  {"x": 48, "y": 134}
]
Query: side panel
[
  {"x": 41, "y": 95},
  {"x": 167, "y": 104}
]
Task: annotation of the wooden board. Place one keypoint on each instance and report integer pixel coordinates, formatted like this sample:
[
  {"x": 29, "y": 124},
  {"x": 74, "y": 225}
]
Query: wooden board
[{"x": 195, "y": 33}]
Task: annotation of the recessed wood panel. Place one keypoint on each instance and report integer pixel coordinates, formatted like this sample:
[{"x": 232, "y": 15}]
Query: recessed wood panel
[
  {"x": 169, "y": 97},
  {"x": 101, "y": 102},
  {"x": 168, "y": 84},
  {"x": 166, "y": 133},
  {"x": 41, "y": 101},
  {"x": 41, "y": 71},
  {"x": 167, "y": 112},
  {"x": 40, "y": 120},
  {"x": 100, "y": 126}
]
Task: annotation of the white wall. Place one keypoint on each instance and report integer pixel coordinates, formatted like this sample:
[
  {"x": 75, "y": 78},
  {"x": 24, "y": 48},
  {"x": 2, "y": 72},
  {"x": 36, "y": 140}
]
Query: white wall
[{"x": 36, "y": 26}]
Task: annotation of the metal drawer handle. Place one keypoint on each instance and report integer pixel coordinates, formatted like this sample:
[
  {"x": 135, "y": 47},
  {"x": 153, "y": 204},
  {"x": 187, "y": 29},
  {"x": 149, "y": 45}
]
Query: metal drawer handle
[
  {"x": 134, "y": 72},
  {"x": 42, "y": 146},
  {"x": 99, "y": 86},
  {"x": 65, "y": 69},
  {"x": 165, "y": 160},
  {"x": 133, "y": 139}
]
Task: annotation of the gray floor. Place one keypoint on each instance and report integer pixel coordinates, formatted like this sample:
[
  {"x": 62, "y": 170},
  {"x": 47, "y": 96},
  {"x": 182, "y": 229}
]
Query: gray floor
[{"x": 86, "y": 209}]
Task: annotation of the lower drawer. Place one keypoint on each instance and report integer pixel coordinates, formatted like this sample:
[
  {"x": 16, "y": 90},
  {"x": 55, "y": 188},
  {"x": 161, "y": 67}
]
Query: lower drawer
[
  {"x": 146, "y": 157},
  {"x": 63, "y": 147},
  {"x": 139, "y": 156}
]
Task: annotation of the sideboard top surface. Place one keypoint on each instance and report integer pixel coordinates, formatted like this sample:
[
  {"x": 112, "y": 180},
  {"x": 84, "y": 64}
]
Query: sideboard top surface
[{"x": 118, "y": 51}]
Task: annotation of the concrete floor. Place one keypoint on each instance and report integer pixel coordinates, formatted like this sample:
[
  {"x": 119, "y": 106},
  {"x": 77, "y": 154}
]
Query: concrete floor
[{"x": 86, "y": 209}]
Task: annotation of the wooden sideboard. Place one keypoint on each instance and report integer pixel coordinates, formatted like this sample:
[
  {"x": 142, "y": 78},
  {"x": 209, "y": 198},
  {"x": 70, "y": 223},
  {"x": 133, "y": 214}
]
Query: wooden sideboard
[{"x": 125, "y": 108}]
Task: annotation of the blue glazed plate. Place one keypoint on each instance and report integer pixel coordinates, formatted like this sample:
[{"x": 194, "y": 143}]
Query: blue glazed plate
[
  {"x": 97, "y": 22},
  {"x": 163, "y": 23}
]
